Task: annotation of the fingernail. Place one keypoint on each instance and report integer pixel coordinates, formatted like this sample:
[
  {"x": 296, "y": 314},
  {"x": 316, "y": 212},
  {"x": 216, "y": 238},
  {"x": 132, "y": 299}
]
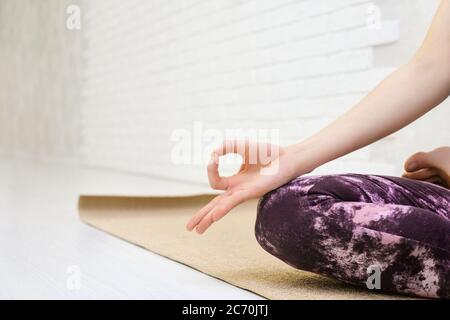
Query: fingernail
[{"x": 412, "y": 166}]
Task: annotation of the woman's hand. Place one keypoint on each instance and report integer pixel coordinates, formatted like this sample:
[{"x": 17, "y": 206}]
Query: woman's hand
[
  {"x": 264, "y": 168},
  {"x": 433, "y": 166}
]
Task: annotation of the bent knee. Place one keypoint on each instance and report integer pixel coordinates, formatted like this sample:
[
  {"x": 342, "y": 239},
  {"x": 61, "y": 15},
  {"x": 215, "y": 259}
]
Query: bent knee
[
  {"x": 282, "y": 207},
  {"x": 284, "y": 224}
]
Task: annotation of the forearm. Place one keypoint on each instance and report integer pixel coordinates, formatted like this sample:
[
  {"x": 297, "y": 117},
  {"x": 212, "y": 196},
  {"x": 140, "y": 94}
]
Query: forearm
[{"x": 401, "y": 98}]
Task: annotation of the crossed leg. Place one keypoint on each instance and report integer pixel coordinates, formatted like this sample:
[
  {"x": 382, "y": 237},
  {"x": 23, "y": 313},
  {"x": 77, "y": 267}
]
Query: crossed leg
[{"x": 339, "y": 225}]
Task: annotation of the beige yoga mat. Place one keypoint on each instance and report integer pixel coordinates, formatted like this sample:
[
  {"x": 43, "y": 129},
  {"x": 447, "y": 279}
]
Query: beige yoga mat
[{"x": 228, "y": 250}]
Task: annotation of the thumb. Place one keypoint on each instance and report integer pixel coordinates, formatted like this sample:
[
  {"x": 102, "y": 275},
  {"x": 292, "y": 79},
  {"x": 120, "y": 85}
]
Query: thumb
[{"x": 419, "y": 160}]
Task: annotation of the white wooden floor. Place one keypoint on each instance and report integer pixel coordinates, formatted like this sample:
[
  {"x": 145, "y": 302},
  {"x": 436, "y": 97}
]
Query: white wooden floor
[{"x": 47, "y": 253}]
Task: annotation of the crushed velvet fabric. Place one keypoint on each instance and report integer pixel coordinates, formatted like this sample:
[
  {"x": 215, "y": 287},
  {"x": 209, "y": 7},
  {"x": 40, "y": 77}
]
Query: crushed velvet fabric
[{"x": 340, "y": 225}]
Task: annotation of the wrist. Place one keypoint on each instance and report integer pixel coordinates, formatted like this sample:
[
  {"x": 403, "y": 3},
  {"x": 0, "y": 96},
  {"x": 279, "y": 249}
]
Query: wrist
[{"x": 304, "y": 156}]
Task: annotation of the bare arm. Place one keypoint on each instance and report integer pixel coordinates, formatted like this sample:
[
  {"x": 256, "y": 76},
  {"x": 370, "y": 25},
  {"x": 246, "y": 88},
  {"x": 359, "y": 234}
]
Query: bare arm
[{"x": 405, "y": 95}]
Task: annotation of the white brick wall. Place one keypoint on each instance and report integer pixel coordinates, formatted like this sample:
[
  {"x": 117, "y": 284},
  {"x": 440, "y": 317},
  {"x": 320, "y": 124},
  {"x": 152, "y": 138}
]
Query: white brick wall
[
  {"x": 156, "y": 66},
  {"x": 39, "y": 88}
]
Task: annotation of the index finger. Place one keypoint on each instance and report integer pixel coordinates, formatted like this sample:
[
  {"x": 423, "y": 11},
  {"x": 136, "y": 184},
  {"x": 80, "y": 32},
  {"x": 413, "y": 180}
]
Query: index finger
[{"x": 215, "y": 180}]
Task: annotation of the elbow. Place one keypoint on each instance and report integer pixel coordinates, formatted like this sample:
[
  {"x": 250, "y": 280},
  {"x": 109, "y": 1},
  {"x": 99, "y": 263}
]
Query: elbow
[{"x": 433, "y": 67}]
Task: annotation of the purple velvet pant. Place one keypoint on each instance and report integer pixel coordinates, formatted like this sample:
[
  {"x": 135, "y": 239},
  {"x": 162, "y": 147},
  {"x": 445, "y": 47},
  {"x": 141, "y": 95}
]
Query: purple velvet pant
[{"x": 341, "y": 225}]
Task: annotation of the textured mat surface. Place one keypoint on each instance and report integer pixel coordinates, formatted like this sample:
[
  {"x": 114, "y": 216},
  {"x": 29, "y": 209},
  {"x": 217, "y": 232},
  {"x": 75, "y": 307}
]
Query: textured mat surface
[{"x": 228, "y": 250}]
